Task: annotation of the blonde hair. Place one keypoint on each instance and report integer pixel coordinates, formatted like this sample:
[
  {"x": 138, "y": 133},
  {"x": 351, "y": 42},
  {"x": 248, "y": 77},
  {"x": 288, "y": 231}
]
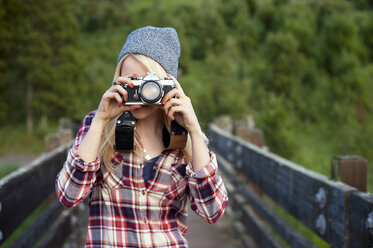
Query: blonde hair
[{"x": 106, "y": 150}]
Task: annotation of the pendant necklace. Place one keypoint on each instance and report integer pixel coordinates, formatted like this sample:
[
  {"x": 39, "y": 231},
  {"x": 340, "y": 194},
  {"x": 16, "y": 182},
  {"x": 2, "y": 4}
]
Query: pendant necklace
[{"x": 146, "y": 157}]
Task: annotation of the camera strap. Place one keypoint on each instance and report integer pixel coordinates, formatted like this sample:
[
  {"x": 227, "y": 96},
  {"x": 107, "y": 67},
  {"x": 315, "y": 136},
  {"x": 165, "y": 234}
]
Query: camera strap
[
  {"x": 175, "y": 138},
  {"x": 124, "y": 132}
]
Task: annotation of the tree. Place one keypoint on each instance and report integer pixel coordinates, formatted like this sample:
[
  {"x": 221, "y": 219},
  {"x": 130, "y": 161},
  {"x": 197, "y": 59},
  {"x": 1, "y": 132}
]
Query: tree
[{"x": 39, "y": 60}]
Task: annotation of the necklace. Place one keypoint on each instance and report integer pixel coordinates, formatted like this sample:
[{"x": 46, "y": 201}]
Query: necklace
[{"x": 146, "y": 157}]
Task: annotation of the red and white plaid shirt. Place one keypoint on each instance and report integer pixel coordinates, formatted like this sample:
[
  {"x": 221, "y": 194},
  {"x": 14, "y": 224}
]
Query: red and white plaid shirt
[{"x": 127, "y": 212}]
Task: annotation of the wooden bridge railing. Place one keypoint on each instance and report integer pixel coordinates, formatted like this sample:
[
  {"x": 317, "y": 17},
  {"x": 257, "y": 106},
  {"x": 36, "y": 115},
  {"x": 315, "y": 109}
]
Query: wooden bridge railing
[
  {"x": 22, "y": 191},
  {"x": 336, "y": 212}
]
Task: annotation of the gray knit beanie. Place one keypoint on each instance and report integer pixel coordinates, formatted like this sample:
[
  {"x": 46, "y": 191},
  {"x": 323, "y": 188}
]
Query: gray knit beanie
[{"x": 160, "y": 44}]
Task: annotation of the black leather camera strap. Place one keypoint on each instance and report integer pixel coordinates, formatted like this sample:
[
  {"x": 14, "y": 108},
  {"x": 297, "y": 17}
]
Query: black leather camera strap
[
  {"x": 175, "y": 138},
  {"x": 124, "y": 132}
]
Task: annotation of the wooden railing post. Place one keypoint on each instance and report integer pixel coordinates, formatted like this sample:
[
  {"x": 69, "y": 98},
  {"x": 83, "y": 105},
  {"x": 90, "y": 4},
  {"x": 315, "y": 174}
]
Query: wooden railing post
[
  {"x": 351, "y": 170},
  {"x": 63, "y": 136},
  {"x": 256, "y": 137},
  {"x": 243, "y": 128}
]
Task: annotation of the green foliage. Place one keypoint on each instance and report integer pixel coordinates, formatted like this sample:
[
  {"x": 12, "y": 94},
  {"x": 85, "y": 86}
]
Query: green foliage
[
  {"x": 277, "y": 124},
  {"x": 285, "y": 66},
  {"x": 366, "y": 31},
  {"x": 265, "y": 13},
  {"x": 101, "y": 15},
  {"x": 39, "y": 59},
  {"x": 339, "y": 34},
  {"x": 299, "y": 20}
]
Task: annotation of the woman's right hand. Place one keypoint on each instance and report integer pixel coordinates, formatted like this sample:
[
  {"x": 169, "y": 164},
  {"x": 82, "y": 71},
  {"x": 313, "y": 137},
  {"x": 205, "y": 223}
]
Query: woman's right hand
[{"x": 111, "y": 104}]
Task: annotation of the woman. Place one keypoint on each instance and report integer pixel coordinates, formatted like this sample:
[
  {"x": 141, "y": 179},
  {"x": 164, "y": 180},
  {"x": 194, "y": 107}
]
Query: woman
[{"x": 133, "y": 201}]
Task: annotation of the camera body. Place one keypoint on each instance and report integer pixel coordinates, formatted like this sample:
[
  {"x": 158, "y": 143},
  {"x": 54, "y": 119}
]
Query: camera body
[{"x": 148, "y": 90}]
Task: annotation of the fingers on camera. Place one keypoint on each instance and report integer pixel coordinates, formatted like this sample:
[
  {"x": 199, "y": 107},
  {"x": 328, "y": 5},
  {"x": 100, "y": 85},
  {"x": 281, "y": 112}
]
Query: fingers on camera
[
  {"x": 121, "y": 92},
  {"x": 124, "y": 80},
  {"x": 171, "y": 94},
  {"x": 114, "y": 95}
]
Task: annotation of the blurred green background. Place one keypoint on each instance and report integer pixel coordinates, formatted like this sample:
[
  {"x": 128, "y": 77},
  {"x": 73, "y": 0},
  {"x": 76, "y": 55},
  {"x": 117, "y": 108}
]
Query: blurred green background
[{"x": 303, "y": 69}]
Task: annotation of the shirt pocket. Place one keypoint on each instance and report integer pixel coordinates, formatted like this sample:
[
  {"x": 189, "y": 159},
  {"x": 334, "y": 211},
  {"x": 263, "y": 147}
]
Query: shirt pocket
[
  {"x": 160, "y": 179},
  {"x": 176, "y": 183},
  {"x": 119, "y": 178}
]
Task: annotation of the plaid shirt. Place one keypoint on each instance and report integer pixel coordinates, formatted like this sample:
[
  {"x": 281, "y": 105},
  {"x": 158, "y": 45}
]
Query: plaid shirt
[{"x": 127, "y": 212}]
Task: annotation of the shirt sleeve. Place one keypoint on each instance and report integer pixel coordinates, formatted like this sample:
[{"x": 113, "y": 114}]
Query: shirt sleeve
[
  {"x": 76, "y": 178},
  {"x": 208, "y": 195}
]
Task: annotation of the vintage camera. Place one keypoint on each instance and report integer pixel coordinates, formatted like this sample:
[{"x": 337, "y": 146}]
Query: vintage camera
[{"x": 148, "y": 90}]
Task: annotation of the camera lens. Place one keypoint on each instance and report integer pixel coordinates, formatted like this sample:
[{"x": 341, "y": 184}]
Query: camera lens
[{"x": 150, "y": 92}]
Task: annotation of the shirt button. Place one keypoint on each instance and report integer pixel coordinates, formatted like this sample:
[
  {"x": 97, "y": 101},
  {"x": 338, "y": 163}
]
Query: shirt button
[
  {"x": 143, "y": 192},
  {"x": 146, "y": 221}
]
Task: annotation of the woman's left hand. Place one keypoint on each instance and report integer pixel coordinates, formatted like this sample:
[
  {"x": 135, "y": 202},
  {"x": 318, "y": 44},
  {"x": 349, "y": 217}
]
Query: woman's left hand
[{"x": 180, "y": 108}]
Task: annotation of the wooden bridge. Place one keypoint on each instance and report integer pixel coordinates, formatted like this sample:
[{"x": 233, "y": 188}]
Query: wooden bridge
[{"x": 259, "y": 183}]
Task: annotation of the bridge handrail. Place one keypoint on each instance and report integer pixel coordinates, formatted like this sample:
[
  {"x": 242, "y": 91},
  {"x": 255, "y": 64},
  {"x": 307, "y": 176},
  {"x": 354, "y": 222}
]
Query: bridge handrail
[
  {"x": 22, "y": 191},
  {"x": 336, "y": 212}
]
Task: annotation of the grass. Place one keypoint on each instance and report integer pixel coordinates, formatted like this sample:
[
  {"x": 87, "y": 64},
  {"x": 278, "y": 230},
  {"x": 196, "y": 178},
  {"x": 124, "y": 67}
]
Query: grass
[
  {"x": 16, "y": 140},
  {"x": 7, "y": 167},
  {"x": 314, "y": 238},
  {"x": 316, "y": 147},
  {"x": 314, "y": 150}
]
